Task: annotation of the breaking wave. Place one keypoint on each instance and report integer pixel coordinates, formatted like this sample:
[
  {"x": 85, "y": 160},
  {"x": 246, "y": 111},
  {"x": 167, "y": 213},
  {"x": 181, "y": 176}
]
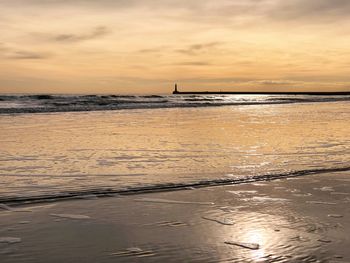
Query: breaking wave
[{"x": 68, "y": 103}]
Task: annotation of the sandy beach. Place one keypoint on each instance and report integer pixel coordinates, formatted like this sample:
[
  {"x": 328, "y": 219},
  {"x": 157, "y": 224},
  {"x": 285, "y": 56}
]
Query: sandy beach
[{"x": 302, "y": 219}]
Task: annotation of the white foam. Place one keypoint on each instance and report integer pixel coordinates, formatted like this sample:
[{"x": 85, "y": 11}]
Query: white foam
[
  {"x": 302, "y": 195},
  {"x": 10, "y": 240},
  {"x": 335, "y": 215},
  {"x": 35, "y": 207},
  {"x": 157, "y": 200},
  {"x": 259, "y": 184},
  {"x": 134, "y": 249},
  {"x": 243, "y": 192},
  {"x": 339, "y": 193},
  {"x": 268, "y": 199},
  {"x": 325, "y": 189},
  {"x": 71, "y": 216}
]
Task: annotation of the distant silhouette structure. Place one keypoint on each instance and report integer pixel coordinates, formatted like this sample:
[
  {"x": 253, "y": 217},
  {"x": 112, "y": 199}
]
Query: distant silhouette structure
[
  {"x": 175, "y": 90},
  {"x": 334, "y": 93}
]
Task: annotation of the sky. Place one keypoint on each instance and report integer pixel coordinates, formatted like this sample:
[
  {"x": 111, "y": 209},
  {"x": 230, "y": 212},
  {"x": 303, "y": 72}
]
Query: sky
[{"x": 145, "y": 46}]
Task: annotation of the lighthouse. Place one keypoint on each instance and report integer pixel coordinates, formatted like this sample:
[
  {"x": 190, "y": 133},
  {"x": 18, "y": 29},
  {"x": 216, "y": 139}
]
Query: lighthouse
[{"x": 175, "y": 90}]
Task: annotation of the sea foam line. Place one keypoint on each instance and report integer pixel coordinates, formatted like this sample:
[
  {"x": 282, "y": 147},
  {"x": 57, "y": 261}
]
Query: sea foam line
[{"x": 163, "y": 187}]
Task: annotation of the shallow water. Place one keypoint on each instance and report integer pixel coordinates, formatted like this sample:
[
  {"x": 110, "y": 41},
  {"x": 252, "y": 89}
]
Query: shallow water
[{"x": 54, "y": 153}]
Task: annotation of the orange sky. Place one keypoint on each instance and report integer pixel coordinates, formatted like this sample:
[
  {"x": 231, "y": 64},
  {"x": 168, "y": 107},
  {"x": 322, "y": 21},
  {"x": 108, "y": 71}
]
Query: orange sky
[{"x": 144, "y": 46}]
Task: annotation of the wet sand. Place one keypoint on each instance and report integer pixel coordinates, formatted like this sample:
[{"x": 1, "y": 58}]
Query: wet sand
[{"x": 303, "y": 219}]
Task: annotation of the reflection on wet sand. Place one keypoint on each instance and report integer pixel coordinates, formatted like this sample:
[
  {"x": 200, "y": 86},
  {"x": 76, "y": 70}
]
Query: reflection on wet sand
[{"x": 238, "y": 223}]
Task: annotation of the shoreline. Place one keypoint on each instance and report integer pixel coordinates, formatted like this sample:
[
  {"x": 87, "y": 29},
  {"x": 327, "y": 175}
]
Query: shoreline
[{"x": 18, "y": 201}]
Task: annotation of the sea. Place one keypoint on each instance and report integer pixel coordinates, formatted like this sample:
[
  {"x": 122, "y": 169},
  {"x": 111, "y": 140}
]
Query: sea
[{"x": 69, "y": 146}]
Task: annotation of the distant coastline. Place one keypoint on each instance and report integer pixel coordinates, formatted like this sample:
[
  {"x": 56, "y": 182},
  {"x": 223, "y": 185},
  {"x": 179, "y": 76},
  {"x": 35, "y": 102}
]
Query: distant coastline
[
  {"x": 318, "y": 93},
  {"x": 327, "y": 93}
]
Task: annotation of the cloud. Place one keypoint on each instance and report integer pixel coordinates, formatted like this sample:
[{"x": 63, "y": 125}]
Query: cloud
[
  {"x": 80, "y": 3},
  {"x": 221, "y": 12},
  {"x": 197, "y": 48},
  {"x": 194, "y": 63},
  {"x": 296, "y": 11},
  {"x": 214, "y": 80},
  {"x": 275, "y": 82},
  {"x": 26, "y": 55},
  {"x": 149, "y": 50},
  {"x": 22, "y": 54},
  {"x": 3, "y": 47},
  {"x": 322, "y": 10},
  {"x": 97, "y": 32}
]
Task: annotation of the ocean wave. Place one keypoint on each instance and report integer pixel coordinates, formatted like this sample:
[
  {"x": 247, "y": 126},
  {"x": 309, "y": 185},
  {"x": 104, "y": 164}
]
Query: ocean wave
[
  {"x": 70, "y": 103},
  {"x": 105, "y": 192}
]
